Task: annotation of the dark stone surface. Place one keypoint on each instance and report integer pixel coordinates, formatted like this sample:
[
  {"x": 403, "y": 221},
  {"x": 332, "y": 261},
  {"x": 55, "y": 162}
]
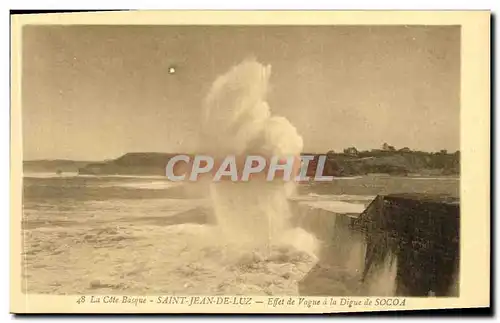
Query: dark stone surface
[
  {"x": 423, "y": 233},
  {"x": 420, "y": 232}
]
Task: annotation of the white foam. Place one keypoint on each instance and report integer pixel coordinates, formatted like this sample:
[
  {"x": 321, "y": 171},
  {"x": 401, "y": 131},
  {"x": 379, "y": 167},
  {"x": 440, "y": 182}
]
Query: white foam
[
  {"x": 150, "y": 185},
  {"x": 238, "y": 120},
  {"x": 48, "y": 174},
  {"x": 336, "y": 207},
  {"x": 76, "y": 174},
  {"x": 331, "y": 197},
  {"x": 436, "y": 178}
]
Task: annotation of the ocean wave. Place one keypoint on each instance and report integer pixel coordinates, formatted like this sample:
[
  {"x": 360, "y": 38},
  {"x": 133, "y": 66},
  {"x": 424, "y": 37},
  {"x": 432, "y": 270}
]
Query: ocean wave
[
  {"x": 144, "y": 185},
  {"x": 75, "y": 174},
  {"x": 347, "y": 178},
  {"x": 186, "y": 258},
  {"x": 332, "y": 197},
  {"x": 49, "y": 175},
  {"x": 436, "y": 178}
]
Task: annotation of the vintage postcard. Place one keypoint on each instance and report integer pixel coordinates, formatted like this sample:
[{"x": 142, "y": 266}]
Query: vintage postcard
[{"x": 250, "y": 162}]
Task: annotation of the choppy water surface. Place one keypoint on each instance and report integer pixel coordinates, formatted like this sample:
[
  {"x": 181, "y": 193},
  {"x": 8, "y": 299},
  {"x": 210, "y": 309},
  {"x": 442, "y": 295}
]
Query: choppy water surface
[{"x": 144, "y": 235}]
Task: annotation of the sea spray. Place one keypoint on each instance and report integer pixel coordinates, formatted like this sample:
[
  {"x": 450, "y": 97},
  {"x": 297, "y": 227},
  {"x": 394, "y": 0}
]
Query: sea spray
[{"x": 238, "y": 120}]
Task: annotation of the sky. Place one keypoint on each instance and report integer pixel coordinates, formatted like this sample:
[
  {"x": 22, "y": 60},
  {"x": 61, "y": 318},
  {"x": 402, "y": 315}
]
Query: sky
[{"x": 97, "y": 92}]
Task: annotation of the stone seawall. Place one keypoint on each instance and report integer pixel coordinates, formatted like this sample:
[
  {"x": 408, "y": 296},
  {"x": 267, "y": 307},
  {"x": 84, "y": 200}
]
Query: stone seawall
[{"x": 392, "y": 245}]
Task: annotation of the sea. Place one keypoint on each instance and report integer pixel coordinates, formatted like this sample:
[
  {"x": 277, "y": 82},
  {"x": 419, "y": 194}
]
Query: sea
[{"x": 140, "y": 235}]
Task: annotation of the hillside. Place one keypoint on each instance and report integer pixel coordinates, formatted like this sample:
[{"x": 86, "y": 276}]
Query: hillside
[
  {"x": 340, "y": 164},
  {"x": 397, "y": 163},
  {"x": 131, "y": 164}
]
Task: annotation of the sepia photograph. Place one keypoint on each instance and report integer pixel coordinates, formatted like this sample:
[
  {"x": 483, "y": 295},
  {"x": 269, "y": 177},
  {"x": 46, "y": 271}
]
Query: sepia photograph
[{"x": 186, "y": 163}]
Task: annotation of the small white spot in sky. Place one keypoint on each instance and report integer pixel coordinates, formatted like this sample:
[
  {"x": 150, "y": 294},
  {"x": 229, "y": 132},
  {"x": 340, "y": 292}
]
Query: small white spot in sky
[{"x": 171, "y": 70}]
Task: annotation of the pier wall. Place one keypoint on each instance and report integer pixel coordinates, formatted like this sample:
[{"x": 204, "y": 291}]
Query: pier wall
[{"x": 398, "y": 245}]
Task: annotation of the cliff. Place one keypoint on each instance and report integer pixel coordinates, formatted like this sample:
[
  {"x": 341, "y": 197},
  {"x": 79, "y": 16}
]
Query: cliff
[{"x": 131, "y": 164}]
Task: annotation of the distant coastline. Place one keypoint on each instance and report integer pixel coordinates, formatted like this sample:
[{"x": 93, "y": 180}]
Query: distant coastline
[{"x": 349, "y": 163}]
